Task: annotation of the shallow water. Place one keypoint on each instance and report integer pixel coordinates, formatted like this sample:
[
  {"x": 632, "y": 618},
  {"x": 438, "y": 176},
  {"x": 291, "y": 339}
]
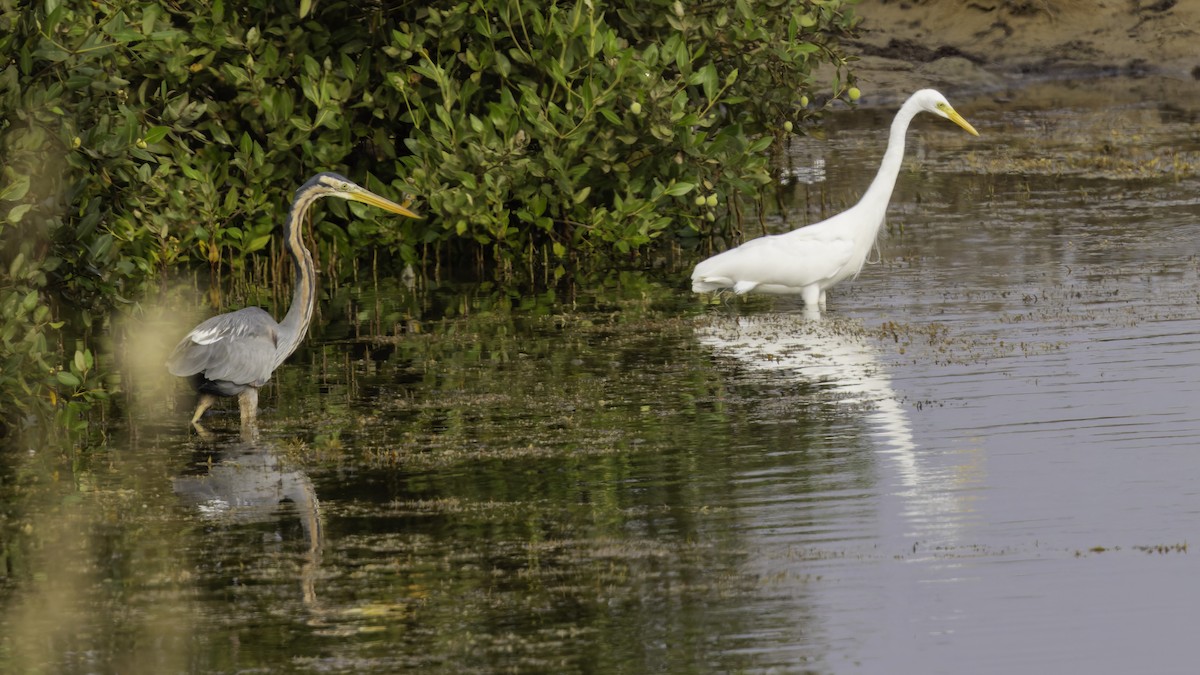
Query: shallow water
[{"x": 980, "y": 460}]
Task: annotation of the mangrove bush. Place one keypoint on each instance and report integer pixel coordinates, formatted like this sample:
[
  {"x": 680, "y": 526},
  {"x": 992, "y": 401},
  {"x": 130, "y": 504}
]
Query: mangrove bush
[{"x": 142, "y": 136}]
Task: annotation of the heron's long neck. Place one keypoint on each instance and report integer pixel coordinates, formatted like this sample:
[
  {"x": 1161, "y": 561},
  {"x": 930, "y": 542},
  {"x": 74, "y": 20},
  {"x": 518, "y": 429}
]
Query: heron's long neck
[
  {"x": 299, "y": 315},
  {"x": 880, "y": 192}
]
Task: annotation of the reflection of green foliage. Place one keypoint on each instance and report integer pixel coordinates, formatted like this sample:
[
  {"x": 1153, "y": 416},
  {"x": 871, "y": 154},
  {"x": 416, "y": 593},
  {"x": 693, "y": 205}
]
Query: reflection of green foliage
[
  {"x": 138, "y": 135},
  {"x": 564, "y": 461},
  {"x": 493, "y": 348},
  {"x": 66, "y": 514},
  {"x": 454, "y": 372},
  {"x": 516, "y": 480}
]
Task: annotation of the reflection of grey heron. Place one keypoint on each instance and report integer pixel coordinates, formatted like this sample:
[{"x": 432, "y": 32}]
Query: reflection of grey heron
[
  {"x": 812, "y": 259},
  {"x": 234, "y": 354},
  {"x": 248, "y": 483}
]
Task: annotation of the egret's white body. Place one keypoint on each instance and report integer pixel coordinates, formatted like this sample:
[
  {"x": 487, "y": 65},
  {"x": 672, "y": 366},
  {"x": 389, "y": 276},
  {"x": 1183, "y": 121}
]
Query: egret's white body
[{"x": 809, "y": 260}]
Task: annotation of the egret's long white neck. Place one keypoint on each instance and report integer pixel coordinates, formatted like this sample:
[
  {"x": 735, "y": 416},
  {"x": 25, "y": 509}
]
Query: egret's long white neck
[{"x": 880, "y": 191}]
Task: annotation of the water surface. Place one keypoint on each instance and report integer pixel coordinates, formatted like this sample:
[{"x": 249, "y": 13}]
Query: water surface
[{"x": 981, "y": 459}]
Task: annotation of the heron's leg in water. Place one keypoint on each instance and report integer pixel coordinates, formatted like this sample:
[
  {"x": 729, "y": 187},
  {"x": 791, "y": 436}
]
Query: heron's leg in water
[
  {"x": 205, "y": 402},
  {"x": 821, "y": 303},
  {"x": 248, "y": 402}
]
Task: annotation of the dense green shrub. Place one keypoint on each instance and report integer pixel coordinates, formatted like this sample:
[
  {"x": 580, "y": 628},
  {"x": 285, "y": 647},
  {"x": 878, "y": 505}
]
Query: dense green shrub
[
  {"x": 137, "y": 136},
  {"x": 602, "y": 129}
]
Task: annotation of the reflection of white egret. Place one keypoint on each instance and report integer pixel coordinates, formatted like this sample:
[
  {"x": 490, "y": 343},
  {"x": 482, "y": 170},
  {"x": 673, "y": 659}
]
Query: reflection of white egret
[
  {"x": 834, "y": 354},
  {"x": 808, "y": 174},
  {"x": 837, "y": 356},
  {"x": 250, "y": 484},
  {"x": 811, "y": 259}
]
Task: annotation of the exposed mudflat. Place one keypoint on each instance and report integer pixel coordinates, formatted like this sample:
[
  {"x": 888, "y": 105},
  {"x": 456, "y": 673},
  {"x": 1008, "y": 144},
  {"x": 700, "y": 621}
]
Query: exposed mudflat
[{"x": 983, "y": 45}]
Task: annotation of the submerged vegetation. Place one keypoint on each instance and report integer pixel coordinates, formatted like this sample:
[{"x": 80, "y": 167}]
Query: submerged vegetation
[{"x": 139, "y": 136}]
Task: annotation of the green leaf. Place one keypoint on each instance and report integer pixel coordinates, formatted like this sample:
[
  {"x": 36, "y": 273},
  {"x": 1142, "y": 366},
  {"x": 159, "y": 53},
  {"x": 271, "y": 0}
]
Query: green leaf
[
  {"x": 14, "y": 268},
  {"x": 150, "y": 14},
  {"x": 191, "y": 172},
  {"x": 68, "y": 379},
  {"x": 305, "y": 7},
  {"x": 16, "y": 189},
  {"x": 679, "y": 189},
  {"x": 760, "y": 144},
  {"x": 650, "y": 55},
  {"x": 683, "y": 60},
  {"x": 17, "y": 212},
  {"x": 257, "y": 243},
  {"x": 706, "y": 77},
  {"x": 155, "y": 134},
  {"x": 126, "y": 35}
]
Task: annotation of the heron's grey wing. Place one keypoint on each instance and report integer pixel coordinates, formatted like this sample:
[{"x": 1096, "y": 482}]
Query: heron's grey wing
[{"x": 237, "y": 347}]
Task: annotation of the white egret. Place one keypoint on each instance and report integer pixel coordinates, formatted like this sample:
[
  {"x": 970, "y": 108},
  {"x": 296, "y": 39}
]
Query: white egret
[{"x": 814, "y": 258}]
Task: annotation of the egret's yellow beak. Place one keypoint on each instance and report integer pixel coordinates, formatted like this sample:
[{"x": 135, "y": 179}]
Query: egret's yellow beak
[
  {"x": 958, "y": 119},
  {"x": 367, "y": 197}
]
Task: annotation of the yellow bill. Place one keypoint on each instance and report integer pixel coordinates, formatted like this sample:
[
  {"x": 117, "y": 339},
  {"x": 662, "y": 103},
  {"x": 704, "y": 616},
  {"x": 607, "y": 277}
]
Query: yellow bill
[
  {"x": 367, "y": 197},
  {"x": 958, "y": 119}
]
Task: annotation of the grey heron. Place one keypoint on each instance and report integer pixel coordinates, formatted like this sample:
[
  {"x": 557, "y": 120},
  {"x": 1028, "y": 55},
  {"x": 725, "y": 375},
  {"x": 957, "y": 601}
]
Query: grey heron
[{"x": 234, "y": 354}]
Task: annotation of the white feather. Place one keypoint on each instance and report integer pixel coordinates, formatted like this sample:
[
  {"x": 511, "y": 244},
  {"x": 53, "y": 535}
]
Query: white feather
[{"x": 207, "y": 337}]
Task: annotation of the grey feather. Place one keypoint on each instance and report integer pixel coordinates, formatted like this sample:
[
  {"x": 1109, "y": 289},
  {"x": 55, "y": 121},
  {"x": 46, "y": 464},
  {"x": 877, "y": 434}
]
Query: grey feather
[{"x": 238, "y": 347}]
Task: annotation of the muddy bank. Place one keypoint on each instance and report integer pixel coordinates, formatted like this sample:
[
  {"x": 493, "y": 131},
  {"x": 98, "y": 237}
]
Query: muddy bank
[{"x": 986, "y": 45}]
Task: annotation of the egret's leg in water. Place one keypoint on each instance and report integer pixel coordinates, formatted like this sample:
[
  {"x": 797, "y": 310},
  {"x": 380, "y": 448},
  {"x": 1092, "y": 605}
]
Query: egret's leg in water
[{"x": 812, "y": 295}]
